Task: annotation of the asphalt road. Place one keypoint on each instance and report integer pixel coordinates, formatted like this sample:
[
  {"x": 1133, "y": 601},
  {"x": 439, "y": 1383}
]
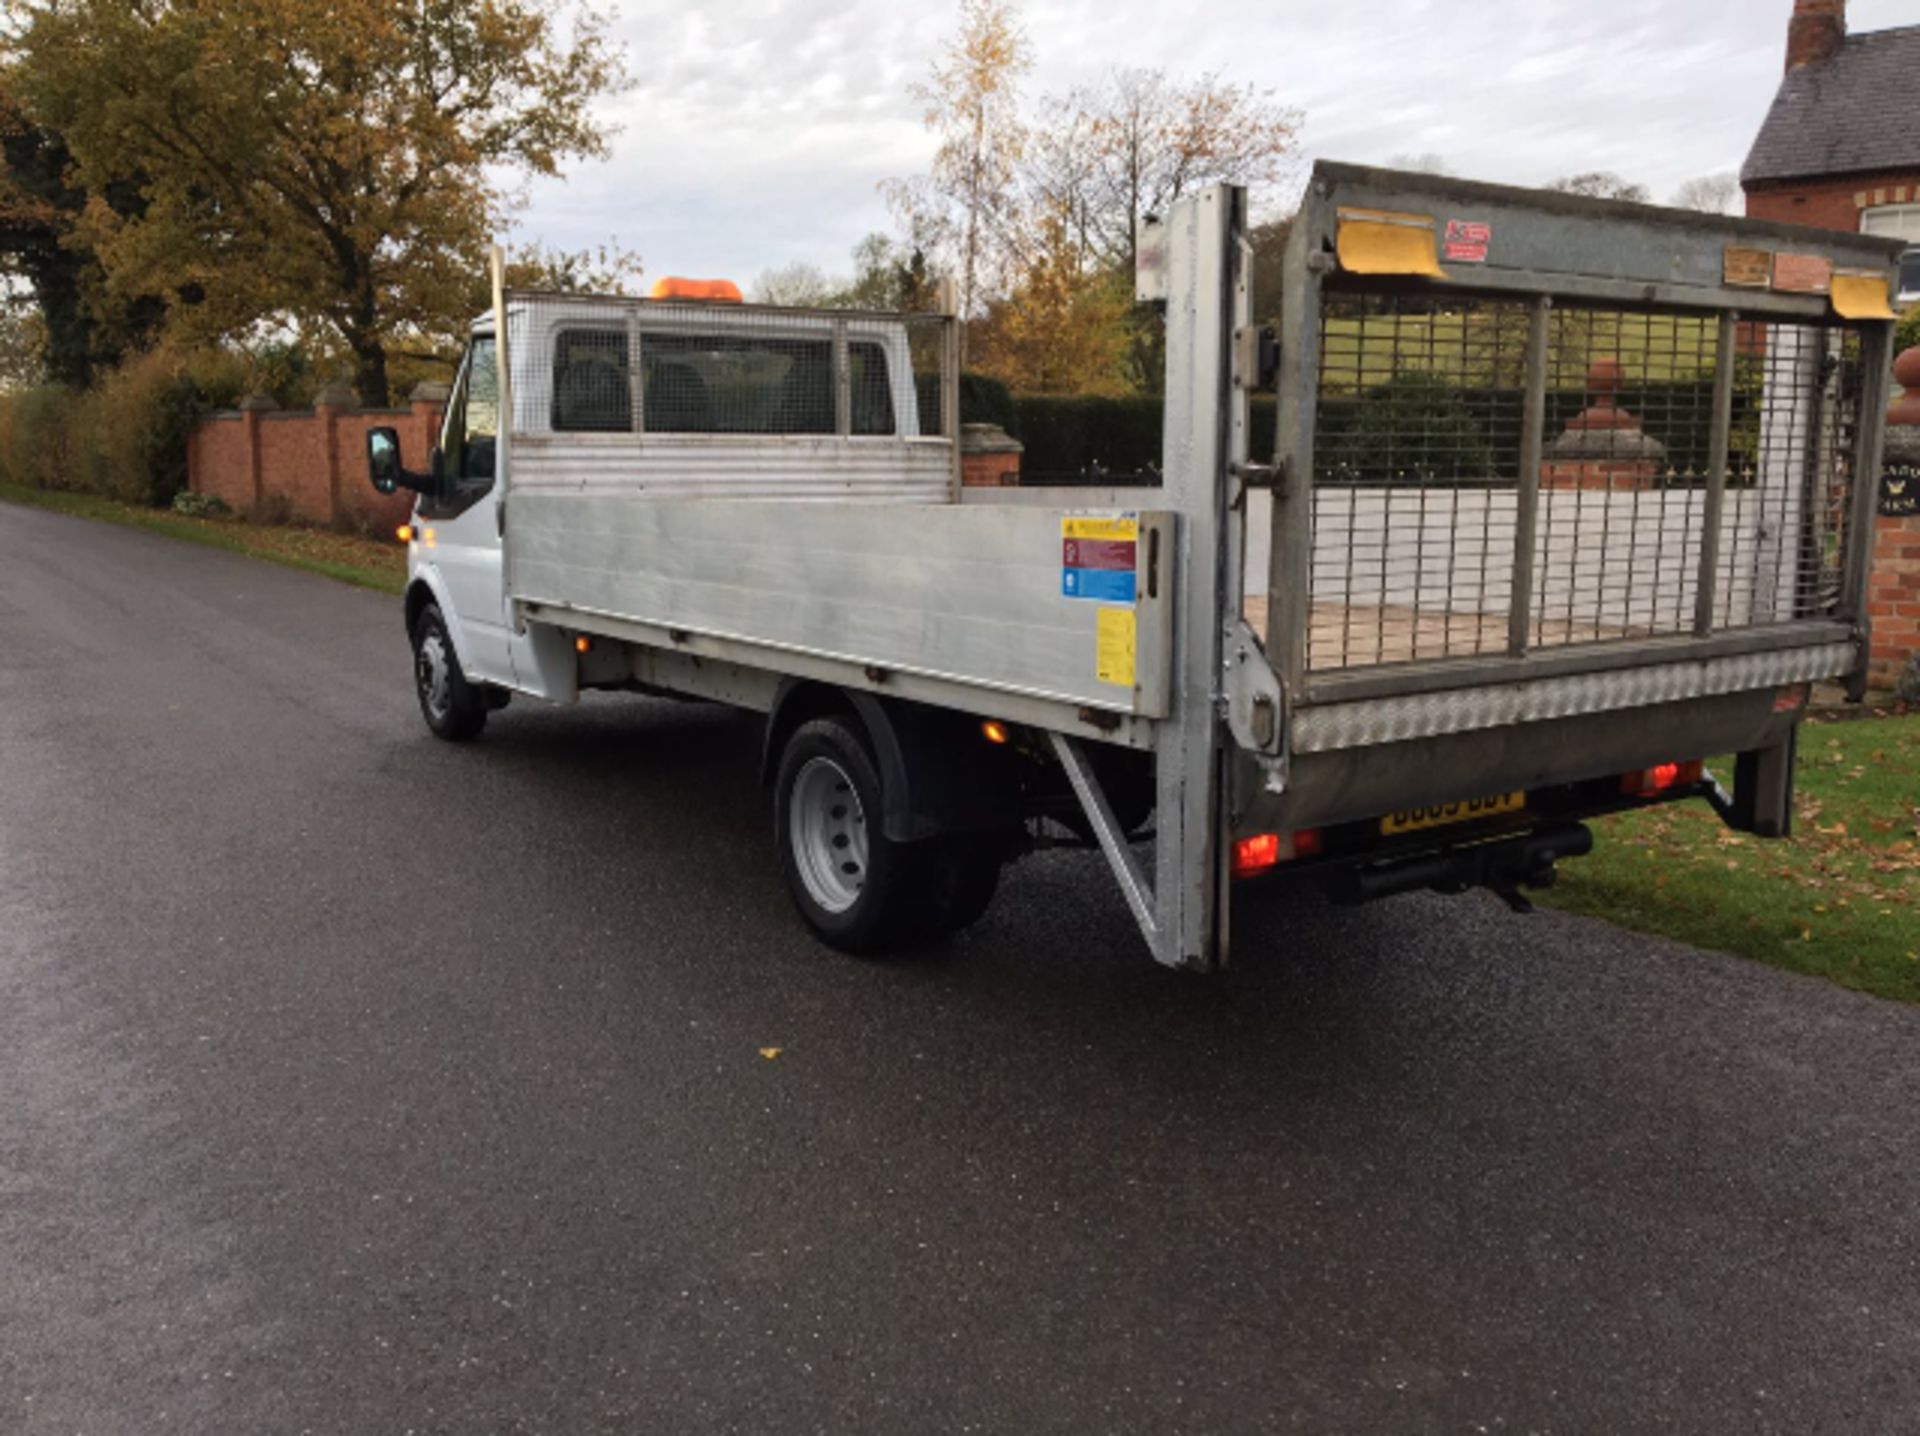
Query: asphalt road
[{"x": 352, "y": 1082}]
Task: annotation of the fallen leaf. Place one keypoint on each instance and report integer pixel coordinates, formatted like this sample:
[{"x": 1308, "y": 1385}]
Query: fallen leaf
[{"x": 770, "y": 1052}]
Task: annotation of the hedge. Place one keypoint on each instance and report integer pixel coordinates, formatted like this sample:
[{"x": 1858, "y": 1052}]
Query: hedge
[
  {"x": 1417, "y": 423},
  {"x": 125, "y": 438}
]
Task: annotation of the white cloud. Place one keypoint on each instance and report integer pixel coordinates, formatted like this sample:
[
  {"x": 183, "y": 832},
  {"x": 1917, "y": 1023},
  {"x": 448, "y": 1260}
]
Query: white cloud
[{"x": 757, "y": 131}]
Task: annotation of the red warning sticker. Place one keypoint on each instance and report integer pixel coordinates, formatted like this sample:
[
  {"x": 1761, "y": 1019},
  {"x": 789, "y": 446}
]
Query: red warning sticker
[
  {"x": 1115, "y": 554},
  {"x": 1468, "y": 241}
]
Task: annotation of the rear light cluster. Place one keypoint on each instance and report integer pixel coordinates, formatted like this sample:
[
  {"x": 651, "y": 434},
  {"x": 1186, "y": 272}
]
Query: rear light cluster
[
  {"x": 1651, "y": 782},
  {"x": 1265, "y": 851}
]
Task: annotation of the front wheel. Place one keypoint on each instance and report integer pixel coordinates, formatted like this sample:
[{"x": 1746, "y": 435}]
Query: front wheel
[{"x": 455, "y": 709}]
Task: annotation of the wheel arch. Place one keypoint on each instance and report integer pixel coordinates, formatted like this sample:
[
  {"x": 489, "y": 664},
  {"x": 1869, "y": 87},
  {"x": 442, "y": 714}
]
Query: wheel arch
[
  {"x": 937, "y": 773},
  {"x": 420, "y": 593}
]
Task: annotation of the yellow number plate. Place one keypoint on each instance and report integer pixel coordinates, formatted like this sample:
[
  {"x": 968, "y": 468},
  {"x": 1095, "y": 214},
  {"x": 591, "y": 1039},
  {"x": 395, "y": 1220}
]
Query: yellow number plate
[{"x": 1446, "y": 814}]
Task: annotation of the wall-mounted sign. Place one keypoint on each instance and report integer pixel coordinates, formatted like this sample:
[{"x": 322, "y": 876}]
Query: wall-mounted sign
[
  {"x": 1802, "y": 274},
  {"x": 1900, "y": 491}
]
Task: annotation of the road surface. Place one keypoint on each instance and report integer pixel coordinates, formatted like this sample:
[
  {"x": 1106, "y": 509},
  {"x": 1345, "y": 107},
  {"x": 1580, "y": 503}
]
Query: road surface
[{"x": 352, "y": 1082}]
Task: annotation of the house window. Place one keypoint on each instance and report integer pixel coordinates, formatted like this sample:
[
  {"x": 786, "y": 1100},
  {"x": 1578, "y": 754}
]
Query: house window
[{"x": 1899, "y": 221}]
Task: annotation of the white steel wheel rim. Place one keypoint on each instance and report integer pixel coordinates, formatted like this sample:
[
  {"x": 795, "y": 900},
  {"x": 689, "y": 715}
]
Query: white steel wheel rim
[
  {"x": 827, "y": 832},
  {"x": 431, "y": 670}
]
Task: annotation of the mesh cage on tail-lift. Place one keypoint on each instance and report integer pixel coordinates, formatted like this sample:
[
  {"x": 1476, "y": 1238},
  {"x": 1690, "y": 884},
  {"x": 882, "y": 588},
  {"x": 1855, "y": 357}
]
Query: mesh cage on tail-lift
[{"x": 1423, "y": 463}]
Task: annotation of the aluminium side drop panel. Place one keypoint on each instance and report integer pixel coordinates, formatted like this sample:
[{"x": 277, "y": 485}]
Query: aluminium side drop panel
[{"x": 969, "y": 595}]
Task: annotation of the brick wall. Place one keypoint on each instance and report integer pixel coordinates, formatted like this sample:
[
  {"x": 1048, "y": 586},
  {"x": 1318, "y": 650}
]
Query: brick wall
[
  {"x": 310, "y": 464},
  {"x": 1895, "y": 606},
  {"x": 1894, "y": 603},
  {"x": 1831, "y": 203}
]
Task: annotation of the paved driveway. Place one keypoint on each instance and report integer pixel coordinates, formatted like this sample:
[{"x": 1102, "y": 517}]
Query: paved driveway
[{"x": 350, "y": 1082}]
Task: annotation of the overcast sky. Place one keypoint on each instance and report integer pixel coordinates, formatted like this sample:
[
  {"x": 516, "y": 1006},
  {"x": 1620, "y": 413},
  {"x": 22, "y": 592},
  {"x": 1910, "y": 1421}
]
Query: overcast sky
[{"x": 757, "y": 130}]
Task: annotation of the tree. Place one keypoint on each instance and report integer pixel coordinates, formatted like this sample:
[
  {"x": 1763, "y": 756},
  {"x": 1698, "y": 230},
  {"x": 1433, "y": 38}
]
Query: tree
[
  {"x": 73, "y": 332},
  {"x": 1107, "y": 155},
  {"x": 1602, "y": 184},
  {"x": 972, "y": 100},
  {"x": 333, "y": 165},
  {"x": 1426, "y": 163},
  {"x": 1269, "y": 242},
  {"x": 603, "y": 269},
  {"x": 799, "y": 286},
  {"x": 1111, "y": 153},
  {"x": 1710, "y": 194},
  {"x": 1063, "y": 330},
  {"x": 887, "y": 275}
]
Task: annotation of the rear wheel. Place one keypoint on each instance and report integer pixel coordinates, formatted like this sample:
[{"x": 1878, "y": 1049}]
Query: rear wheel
[
  {"x": 455, "y": 709},
  {"x": 855, "y": 887}
]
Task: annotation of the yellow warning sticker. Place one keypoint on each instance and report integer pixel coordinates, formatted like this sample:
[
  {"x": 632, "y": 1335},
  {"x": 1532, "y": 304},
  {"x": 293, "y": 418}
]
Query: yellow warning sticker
[
  {"x": 1114, "y": 647},
  {"x": 1121, "y": 528}
]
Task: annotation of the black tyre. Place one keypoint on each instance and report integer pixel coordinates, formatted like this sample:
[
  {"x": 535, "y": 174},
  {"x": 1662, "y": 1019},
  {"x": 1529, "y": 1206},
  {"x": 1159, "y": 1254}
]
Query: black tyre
[
  {"x": 455, "y": 709},
  {"x": 963, "y": 875},
  {"x": 860, "y": 891}
]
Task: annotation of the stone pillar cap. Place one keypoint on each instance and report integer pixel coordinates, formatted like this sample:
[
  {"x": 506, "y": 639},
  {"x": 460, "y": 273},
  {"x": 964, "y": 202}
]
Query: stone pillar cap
[
  {"x": 983, "y": 438},
  {"x": 1906, "y": 407},
  {"x": 336, "y": 395},
  {"x": 258, "y": 403},
  {"x": 429, "y": 391}
]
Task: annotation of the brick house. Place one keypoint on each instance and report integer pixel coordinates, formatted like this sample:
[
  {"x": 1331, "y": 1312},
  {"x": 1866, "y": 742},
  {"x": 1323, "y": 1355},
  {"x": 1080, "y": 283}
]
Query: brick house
[{"x": 1840, "y": 148}]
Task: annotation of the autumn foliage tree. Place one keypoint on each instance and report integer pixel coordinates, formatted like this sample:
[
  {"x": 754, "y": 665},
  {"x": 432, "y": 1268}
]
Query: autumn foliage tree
[
  {"x": 1035, "y": 214},
  {"x": 969, "y": 196},
  {"x": 332, "y": 166},
  {"x": 1062, "y": 329}
]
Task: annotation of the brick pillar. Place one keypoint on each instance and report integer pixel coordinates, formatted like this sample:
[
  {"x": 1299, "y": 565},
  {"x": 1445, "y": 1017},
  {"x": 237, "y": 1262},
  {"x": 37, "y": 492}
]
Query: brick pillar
[
  {"x": 1894, "y": 603},
  {"x": 251, "y": 408},
  {"x": 429, "y": 404},
  {"x": 1605, "y": 447},
  {"x": 989, "y": 457},
  {"x": 328, "y": 405}
]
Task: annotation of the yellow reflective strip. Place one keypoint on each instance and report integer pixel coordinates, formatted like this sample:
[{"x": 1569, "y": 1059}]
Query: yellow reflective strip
[
  {"x": 1389, "y": 244},
  {"x": 1862, "y": 296}
]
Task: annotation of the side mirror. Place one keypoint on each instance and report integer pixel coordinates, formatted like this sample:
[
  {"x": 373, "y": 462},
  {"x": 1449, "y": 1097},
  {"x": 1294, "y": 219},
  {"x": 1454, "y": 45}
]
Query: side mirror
[
  {"x": 385, "y": 470},
  {"x": 383, "y": 459}
]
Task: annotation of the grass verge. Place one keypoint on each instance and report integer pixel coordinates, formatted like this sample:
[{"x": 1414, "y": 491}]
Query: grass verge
[
  {"x": 369, "y": 563},
  {"x": 1839, "y": 900}
]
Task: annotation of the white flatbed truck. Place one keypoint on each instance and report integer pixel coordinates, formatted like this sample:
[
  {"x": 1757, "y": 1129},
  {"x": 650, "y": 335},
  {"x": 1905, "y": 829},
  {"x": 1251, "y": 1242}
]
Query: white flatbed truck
[{"x": 1465, "y": 599}]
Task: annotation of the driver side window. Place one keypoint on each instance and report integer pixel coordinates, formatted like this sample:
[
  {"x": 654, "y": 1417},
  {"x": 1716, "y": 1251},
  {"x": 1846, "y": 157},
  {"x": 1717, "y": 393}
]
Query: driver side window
[{"x": 473, "y": 419}]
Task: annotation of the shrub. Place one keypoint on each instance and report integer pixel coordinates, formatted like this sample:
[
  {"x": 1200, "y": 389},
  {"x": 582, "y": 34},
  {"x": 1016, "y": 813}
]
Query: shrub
[
  {"x": 1069, "y": 437},
  {"x": 1415, "y": 428},
  {"x": 200, "y": 506},
  {"x": 1907, "y": 334},
  {"x": 125, "y": 438},
  {"x": 987, "y": 401}
]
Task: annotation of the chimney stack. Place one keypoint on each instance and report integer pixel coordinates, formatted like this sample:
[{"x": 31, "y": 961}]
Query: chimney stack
[{"x": 1816, "y": 33}]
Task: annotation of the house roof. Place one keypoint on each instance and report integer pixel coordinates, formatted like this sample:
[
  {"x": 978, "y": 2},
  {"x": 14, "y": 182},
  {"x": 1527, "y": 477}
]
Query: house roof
[{"x": 1846, "y": 115}]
